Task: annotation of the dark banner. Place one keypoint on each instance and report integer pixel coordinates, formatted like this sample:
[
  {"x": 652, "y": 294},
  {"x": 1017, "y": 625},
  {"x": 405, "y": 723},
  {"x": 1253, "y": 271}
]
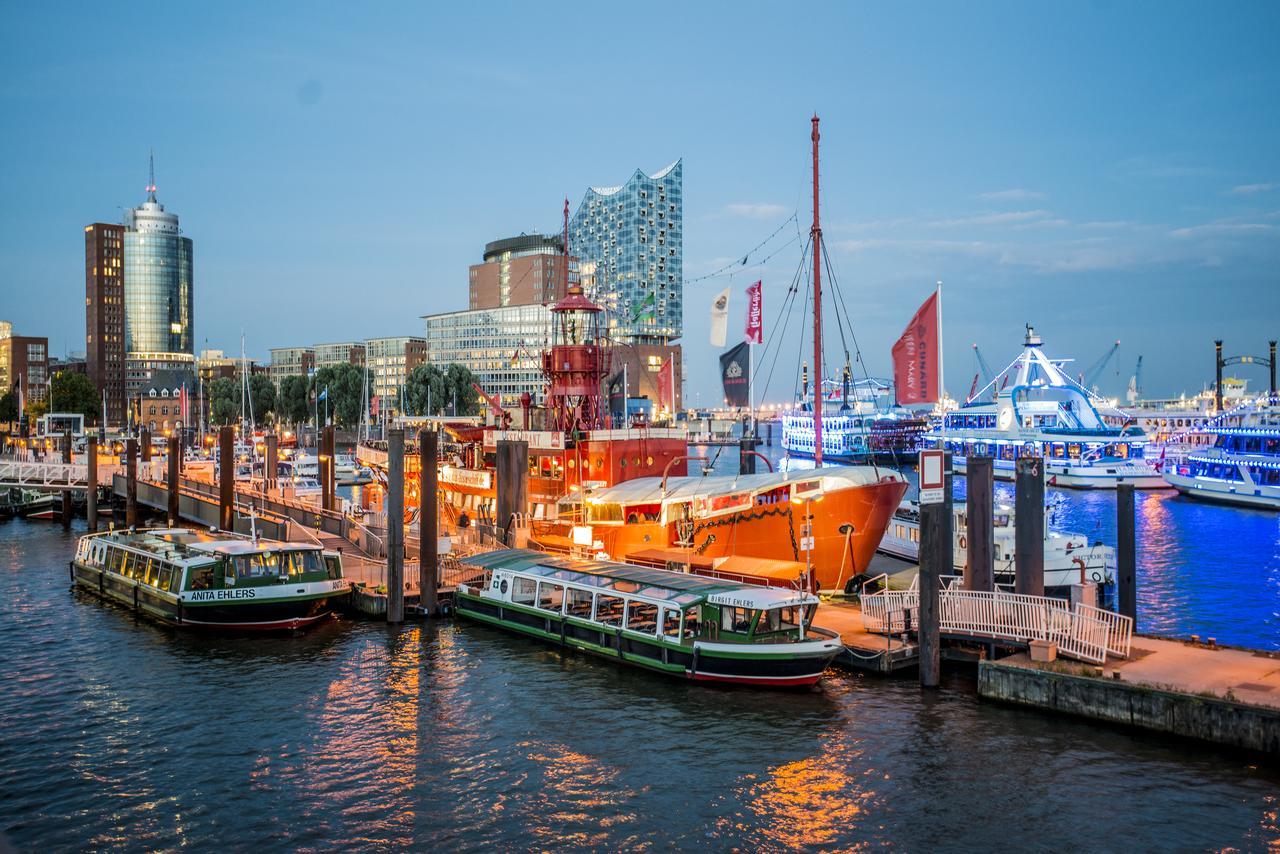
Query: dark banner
[
  {"x": 735, "y": 373},
  {"x": 618, "y": 398}
]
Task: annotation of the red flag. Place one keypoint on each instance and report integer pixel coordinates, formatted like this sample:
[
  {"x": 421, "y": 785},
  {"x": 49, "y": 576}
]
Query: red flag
[
  {"x": 916, "y": 357},
  {"x": 373, "y": 406},
  {"x": 182, "y": 403},
  {"x": 755, "y": 314},
  {"x": 666, "y": 386}
]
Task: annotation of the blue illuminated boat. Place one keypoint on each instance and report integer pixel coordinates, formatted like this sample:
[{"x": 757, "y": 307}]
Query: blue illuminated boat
[{"x": 1242, "y": 467}]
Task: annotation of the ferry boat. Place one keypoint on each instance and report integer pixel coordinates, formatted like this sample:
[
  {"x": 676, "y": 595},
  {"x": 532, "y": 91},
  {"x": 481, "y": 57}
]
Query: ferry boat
[
  {"x": 1069, "y": 558},
  {"x": 1243, "y": 467},
  {"x": 211, "y": 579},
  {"x": 830, "y": 519},
  {"x": 684, "y": 625},
  {"x": 853, "y": 430},
  {"x": 1038, "y": 410}
]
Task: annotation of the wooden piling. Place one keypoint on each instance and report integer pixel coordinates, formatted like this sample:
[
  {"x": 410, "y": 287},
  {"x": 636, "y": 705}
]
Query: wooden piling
[
  {"x": 1028, "y": 553},
  {"x": 271, "y": 464},
  {"x": 328, "y": 462},
  {"x": 174, "y": 459},
  {"x": 747, "y": 455},
  {"x": 91, "y": 484},
  {"x": 226, "y": 478},
  {"x": 935, "y": 562},
  {"x": 1126, "y": 553},
  {"x": 131, "y": 483},
  {"x": 144, "y": 437},
  {"x": 66, "y": 493},
  {"x": 428, "y": 521},
  {"x": 395, "y": 526},
  {"x": 512, "y": 484},
  {"x": 980, "y": 542}
]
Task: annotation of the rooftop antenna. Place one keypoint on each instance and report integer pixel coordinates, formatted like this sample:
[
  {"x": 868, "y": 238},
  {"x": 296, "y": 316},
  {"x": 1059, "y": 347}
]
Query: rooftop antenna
[{"x": 151, "y": 184}]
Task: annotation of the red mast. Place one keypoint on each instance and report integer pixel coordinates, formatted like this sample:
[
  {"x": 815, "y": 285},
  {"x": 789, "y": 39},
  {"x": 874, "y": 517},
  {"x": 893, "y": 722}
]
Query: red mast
[{"x": 816, "y": 233}]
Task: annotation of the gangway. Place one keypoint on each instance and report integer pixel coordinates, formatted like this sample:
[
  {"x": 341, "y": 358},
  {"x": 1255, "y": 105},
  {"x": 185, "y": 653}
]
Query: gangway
[{"x": 1080, "y": 631}]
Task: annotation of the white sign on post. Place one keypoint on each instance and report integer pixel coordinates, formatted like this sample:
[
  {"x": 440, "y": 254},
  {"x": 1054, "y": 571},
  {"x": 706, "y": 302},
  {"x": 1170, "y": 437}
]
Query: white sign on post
[{"x": 932, "y": 477}]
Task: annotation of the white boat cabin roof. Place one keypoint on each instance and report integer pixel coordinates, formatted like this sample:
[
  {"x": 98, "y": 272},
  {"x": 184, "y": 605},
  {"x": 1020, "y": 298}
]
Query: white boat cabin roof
[{"x": 649, "y": 490}]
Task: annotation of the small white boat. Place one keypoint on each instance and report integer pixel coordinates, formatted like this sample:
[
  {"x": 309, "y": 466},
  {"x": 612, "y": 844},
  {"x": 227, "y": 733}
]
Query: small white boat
[{"x": 1068, "y": 558}]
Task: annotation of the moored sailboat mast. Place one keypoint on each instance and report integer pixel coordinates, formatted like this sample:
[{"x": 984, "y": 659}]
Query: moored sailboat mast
[{"x": 816, "y": 234}]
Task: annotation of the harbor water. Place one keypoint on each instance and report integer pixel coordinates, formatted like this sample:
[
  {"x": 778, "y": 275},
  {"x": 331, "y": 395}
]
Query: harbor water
[{"x": 119, "y": 734}]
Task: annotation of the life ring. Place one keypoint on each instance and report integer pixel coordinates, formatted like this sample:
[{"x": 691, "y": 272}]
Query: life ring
[
  {"x": 964, "y": 544},
  {"x": 1096, "y": 576}
]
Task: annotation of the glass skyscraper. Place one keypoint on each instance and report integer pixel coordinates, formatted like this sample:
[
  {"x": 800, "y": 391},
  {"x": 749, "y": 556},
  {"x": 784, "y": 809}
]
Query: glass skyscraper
[
  {"x": 158, "y": 293},
  {"x": 629, "y": 242}
]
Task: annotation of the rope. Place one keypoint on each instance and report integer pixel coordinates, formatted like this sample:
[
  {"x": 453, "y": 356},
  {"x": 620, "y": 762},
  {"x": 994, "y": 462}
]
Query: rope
[{"x": 735, "y": 266}]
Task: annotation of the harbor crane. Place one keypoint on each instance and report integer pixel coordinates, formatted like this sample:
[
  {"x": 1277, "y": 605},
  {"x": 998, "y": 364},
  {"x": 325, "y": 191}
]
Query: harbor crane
[
  {"x": 1135, "y": 384},
  {"x": 1090, "y": 376},
  {"x": 984, "y": 374}
]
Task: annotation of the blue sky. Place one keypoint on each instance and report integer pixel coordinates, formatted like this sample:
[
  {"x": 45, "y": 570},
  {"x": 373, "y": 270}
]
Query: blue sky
[{"x": 1106, "y": 170}]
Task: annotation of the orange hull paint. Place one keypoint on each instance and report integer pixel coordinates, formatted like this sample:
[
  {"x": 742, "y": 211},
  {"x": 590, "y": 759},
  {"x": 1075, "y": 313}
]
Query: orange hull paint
[{"x": 775, "y": 530}]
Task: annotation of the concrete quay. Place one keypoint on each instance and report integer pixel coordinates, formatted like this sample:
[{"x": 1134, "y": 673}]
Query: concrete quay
[{"x": 1220, "y": 694}]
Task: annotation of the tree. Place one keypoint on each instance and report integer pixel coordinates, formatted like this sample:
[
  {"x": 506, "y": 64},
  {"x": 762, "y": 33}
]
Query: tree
[
  {"x": 9, "y": 407},
  {"x": 263, "y": 392},
  {"x": 73, "y": 392},
  {"x": 346, "y": 385},
  {"x": 442, "y": 389},
  {"x": 293, "y": 405},
  {"x": 224, "y": 400}
]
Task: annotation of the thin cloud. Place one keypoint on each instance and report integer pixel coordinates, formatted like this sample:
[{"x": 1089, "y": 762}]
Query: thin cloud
[
  {"x": 1253, "y": 189},
  {"x": 1017, "y": 194},
  {"x": 757, "y": 210},
  {"x": 1005, "y": 218},
  {"x": 1223, "y": 229}
]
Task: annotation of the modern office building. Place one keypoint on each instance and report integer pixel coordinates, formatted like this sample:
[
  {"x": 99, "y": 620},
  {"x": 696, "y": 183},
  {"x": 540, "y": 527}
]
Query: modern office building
[
  {"x": 215, "y": 364},
  {"x": 158, "y": 293},
  {"x": 24, "y": 365},
  {"x": 346, "y": 353},
  {"x": 524, "y": 270},
  {"x": 104, "y": 314},
  {"x": 629, "y": 241},
  {"x": 502, "y": 347},
  {"x": 291, "y": 362},
  {"x": 390, "y": 360}
]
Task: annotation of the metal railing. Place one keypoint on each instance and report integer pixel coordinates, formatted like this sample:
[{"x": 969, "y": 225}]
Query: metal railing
[{"x": 1081, "y": 631}]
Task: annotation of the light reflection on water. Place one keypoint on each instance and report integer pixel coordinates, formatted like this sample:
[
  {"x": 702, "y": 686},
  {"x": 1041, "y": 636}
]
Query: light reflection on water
[{"x": 117, "y": 734}]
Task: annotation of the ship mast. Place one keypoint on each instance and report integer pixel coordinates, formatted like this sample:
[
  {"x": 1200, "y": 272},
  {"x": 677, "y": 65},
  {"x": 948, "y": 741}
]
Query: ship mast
[{"x": 816, "y": 235}]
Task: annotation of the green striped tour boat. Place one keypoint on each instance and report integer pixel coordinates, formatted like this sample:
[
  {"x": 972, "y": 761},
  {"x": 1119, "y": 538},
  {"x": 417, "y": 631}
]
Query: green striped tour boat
[
  {"x": 691, "y": 626},
  {"x": 211, "y": 579}
]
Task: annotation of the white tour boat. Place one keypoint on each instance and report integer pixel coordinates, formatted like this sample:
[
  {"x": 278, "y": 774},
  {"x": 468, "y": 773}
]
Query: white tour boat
[
  {"x": 1033, "y": 408},
  {"x": 1243, "y": 467}
]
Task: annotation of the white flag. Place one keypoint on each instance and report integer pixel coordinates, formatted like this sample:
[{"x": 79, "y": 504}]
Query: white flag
[{"x": 720, "y": 319}]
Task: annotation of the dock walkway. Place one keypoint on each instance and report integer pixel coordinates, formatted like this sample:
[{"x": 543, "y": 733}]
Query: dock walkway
[{"x": 862, "y": 649}]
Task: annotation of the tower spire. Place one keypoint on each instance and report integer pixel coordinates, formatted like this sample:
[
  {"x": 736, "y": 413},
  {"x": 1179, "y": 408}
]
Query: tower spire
[{"x": 151, "y": 184}]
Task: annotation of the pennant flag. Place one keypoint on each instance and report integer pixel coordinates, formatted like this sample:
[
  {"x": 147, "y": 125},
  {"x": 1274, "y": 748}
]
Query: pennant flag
[
  {"x": 916, "y": 357},
  {"x": 667, "y": 386},
  {"x": 644, "y": 309},
  {"x": 720, "y": 318},
  {"x": 755, "y": 314},
  {"x": 324, "y": 395},
  {"x": 617, "y": 398},
  {"x": 735, "y": 375}
]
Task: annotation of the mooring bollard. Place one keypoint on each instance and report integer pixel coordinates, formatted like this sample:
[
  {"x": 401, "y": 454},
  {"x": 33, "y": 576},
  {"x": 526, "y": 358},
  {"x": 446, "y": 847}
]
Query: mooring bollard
[
  {"x": 66, "y": 493},
  {"x": 428, "y": 521},
  {"x": 980, "y": 543},
  {"x": 175, "y": 454},
  {"x": 395, "y": 526},
  {"x": 1126, "y": 553},
  {"x": 935, "y": 558},
  {"x": 1028, "y": 552},
  {"x": 131, "y": 483},
  {"x": 512, "y": 485},
  {"x": 226, "y": 479},
  {"x": 91, "y": 484}
]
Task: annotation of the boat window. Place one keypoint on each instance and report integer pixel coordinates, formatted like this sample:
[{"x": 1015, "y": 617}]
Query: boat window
[
  {"x": 299, "y": 562},
  {"x": 578, "y": 603},
  {"x": 736, "y": 619},
  {"x": 334, "y": 565},
  {"x": 604, "y": 512},
  {"x": 164, "y": 577},
  {"x": 200, "y": 578},
  {"x": 523, "y": 590},
  {"x": 625, "y": 586},
  {"x": 642, "y": 617},
  {"x": 149, "y": 569},
  {"x": 259, "y": 565},
  {"x": 670, "y": 623},
  {"x": 550, "y": 596},
  {"x": 128, "y": 565},
  {"x": 609, "y": 610}
]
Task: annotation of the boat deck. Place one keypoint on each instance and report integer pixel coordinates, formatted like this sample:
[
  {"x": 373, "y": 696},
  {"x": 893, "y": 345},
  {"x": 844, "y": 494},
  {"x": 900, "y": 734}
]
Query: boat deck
[{"x": 863, "y": 650}]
